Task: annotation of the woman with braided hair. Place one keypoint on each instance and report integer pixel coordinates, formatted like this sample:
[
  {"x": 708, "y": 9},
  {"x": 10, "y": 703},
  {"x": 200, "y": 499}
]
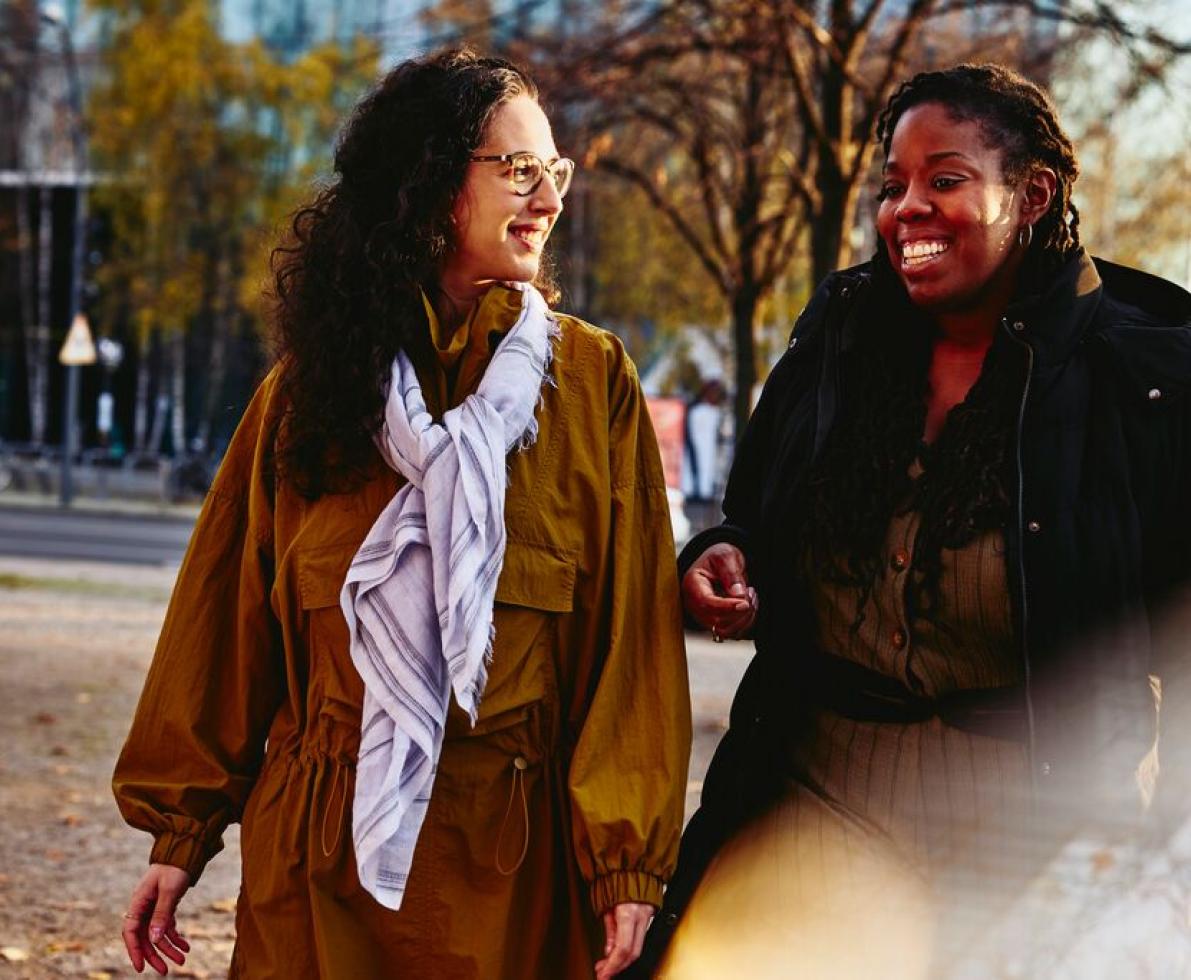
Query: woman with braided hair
[{"x": 961, "y": 498}]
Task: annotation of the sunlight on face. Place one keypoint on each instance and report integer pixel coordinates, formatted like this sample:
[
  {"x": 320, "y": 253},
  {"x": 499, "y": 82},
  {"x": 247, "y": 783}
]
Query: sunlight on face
[
  {"x": 500, "y": 235},
  {"x": 947, "y": 217}
]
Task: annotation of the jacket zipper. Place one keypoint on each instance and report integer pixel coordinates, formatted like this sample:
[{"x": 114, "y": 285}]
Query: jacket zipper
[{"x": 1021, "y": 559}]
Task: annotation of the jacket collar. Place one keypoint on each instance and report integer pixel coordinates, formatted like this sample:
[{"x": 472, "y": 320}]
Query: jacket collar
[{"x": 1054, "y": 321}]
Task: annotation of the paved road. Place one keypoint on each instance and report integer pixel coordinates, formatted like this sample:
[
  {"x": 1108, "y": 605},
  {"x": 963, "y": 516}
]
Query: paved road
[{"x": 49, "y": 532}]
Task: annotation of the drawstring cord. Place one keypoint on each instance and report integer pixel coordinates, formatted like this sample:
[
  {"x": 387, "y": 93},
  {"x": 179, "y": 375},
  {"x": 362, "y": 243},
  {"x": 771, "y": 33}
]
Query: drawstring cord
[
  {"x": 328, "y": 851},
  {"x": 518, "y": 784},
  {"x": 519, "y": 767}
]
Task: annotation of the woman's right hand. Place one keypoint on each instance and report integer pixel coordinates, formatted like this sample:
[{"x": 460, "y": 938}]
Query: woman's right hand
[
  {"x": 716, "y": 592},
  {"x": 149, "y": 929}
]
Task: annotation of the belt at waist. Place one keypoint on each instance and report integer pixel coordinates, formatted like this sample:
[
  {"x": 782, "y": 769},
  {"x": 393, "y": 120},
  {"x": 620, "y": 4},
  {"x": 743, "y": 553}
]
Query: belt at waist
[{"x": 856, "y": 692}]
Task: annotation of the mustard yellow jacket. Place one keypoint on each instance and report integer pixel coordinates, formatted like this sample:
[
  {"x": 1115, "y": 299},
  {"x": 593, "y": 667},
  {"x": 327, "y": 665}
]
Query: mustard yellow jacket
[{"x": 563, "y": 800}]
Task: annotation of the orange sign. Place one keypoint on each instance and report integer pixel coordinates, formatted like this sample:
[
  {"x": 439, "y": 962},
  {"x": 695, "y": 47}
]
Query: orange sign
[{"x": 669, "y": 424}]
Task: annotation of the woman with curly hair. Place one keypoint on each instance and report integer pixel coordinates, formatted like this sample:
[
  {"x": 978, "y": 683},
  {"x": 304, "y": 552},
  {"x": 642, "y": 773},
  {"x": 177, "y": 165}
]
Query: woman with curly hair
[
  {"x": 959, "y": 502},
  {"x": 425, "y": 645}
]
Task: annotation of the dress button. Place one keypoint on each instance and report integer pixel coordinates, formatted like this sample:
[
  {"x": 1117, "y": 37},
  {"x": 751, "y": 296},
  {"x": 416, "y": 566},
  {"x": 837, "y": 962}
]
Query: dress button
[
  {"x": 1154, "y": 394},
  {"x": 898, "y": 639},
  {"x": 1033, "y": 527},
  {"x": 900, "y": 559}
]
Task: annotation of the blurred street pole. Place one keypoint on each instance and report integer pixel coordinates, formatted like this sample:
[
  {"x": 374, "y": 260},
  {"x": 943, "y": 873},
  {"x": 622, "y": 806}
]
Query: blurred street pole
[{"x": 54, "y": 16}]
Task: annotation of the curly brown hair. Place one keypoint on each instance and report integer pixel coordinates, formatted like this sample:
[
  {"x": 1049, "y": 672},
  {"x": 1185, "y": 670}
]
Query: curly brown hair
[
  {"x": 861, "y": 478},
  {"x": 347, "y": 280}
]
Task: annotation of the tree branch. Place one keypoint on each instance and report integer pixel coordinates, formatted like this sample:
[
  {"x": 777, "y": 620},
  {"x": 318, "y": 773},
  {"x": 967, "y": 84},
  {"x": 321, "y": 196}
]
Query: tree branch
[{"x": 720, "y": 276}]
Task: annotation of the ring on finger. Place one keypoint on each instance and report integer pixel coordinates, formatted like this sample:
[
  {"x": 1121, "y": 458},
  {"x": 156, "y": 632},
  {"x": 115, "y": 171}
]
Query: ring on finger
[{"x": 133, "y": 915}]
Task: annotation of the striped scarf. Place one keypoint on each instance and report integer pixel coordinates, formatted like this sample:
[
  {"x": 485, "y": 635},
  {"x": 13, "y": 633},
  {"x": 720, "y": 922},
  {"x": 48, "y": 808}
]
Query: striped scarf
[{"x": 419, "y": 593}]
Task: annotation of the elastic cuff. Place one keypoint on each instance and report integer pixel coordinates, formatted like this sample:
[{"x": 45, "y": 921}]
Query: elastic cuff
[
  {"x": 626, "y": 886},
  {"x": 184, "y": 851}
]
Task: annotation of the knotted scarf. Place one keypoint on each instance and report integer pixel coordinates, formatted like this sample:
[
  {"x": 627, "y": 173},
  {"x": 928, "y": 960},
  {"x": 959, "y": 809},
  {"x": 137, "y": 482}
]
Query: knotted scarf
[{"x": 418, "y": 597}]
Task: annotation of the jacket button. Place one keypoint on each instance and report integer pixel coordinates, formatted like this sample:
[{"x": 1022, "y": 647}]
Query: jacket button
[
  {"x": 671, "y": 918},
  {"x": 793, "y": 343},
  {"x": 1018, "y": 326},
  {"x": 900, "y": 559},
  {"x": 1033, "y": 527},
  {"x": 898, "y": 639},
  {"x": 1154, "y": 394}
]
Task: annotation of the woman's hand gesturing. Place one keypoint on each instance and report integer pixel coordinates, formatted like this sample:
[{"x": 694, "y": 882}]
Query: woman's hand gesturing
[
  {"x": 149, "y": 929},
  {"x": 716, "y": 593}
]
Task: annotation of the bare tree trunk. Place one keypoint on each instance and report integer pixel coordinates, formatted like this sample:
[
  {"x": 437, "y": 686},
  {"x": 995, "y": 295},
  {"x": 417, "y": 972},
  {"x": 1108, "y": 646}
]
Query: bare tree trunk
[
  {"x": 39, "y": 368},
  {"x": 744, "y": 315},
  {"x": 178, "y": 391},
  {"x": 28, "y": 305},
  {"x": 217, "y": 365},
  {"x": 140, "y": 413},
  {"x": 579, "y": 298}
]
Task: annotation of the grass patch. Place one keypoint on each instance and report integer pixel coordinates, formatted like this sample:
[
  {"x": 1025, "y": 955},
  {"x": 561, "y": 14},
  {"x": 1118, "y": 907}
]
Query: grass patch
[{"x": 81, "y": 587}]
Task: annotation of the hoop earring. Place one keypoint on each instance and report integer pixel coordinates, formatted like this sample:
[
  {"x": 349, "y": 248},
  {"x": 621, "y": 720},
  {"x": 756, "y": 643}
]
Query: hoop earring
[{"x": 1025, "y": 235}]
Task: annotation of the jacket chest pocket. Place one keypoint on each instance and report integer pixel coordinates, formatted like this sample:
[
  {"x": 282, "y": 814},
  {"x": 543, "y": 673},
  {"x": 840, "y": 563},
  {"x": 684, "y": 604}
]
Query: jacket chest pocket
[
  {"x": 536, "y": 586},
  {"x": 334, "y": 686}
]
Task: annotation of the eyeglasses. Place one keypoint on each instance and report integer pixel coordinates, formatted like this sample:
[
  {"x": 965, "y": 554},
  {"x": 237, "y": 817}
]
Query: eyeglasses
[{"x": 526, "y": 171}]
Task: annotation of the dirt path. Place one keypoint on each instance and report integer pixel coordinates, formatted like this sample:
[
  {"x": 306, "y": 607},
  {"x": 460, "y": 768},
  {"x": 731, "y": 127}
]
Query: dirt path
[{"x": 75, "y": 642}]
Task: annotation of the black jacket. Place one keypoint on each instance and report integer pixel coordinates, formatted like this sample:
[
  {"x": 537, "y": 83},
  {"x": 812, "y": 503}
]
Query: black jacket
[{"x": 1102, "y": 532}]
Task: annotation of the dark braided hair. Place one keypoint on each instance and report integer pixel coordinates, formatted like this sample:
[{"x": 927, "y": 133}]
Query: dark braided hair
[
  {"x": 861, "y": 479},
  {"x": 347, "y": 280}
]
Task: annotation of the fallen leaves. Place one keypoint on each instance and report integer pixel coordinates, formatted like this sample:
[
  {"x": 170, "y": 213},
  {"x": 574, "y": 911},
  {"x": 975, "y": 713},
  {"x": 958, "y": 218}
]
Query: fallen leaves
[{"x": 64, "y": 946}]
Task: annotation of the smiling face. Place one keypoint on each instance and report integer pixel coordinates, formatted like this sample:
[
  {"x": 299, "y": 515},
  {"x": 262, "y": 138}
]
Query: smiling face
[
  {"x": 500, "y": 234},
  {"x": 948, "y": 219}
]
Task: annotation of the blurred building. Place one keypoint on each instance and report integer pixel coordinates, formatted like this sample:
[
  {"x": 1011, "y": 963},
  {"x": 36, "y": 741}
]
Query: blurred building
[{"x": 49, "y": 57}]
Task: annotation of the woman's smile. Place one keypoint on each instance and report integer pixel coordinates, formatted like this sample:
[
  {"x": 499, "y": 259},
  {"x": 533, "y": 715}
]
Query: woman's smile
[
  {"x": 921, "y": 252},
  {"x": 947, "y": 216}
]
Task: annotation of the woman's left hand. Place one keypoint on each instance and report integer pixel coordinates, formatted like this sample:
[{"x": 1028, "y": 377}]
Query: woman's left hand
[{"x": 625, "y": 926}]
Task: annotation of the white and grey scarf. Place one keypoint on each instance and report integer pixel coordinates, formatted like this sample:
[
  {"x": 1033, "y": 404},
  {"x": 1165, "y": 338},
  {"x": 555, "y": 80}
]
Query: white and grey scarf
[{"x": 419, "y": 593}]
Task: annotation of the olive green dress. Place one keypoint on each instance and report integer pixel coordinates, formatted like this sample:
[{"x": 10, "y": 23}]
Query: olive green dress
[{"x": 893, "y": 842}]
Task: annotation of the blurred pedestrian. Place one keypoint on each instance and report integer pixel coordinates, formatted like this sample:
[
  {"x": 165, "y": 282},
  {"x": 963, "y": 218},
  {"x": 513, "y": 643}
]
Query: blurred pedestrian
[
  {"x": 960, "y": 498},
  {"x": 701, "y": 453},
  {"x": 426, "y": 644}
]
